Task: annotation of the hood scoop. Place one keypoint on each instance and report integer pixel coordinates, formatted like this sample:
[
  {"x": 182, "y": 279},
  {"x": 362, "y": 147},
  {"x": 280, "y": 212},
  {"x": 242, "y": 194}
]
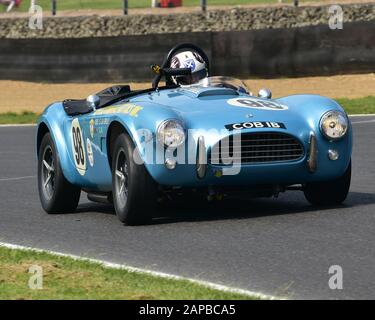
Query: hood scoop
[
  {"x": 199, "y": 92},
  {"x": 218, "y": 92}
]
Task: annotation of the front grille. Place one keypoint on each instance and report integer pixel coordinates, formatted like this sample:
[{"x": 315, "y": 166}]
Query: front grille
[{"x": 256, "y": 148}]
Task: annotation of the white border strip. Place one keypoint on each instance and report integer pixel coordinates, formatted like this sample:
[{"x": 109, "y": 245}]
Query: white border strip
[{"x": 111, "y": 265}]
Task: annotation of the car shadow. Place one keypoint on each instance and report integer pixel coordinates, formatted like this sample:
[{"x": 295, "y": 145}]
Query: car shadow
[
  {"x": 188, "y": 209},
  {"x": 95, "y": 207},
  {"x": 242, "y": 208}
]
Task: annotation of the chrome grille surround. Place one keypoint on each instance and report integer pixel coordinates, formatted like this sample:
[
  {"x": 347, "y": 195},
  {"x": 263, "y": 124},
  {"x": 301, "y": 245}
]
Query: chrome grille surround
[{"x": 260, "y": 147}]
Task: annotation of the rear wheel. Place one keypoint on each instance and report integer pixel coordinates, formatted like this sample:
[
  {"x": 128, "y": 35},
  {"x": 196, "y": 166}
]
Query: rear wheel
[
  {"x": 134, "y": 191},
  {"x": 332, "y": 192},
  {"x": 57, "y": 195}
]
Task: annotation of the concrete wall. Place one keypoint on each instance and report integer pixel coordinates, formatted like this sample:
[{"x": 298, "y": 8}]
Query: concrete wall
[
  {"x": 297, "y": 51},
  {"x": 214, "y": 20},
  {"x": 313, "y": 50}
]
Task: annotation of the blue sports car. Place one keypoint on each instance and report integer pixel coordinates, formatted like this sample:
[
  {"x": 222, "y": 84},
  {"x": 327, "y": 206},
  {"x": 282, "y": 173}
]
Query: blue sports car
[{"x": 196, "y": 133}]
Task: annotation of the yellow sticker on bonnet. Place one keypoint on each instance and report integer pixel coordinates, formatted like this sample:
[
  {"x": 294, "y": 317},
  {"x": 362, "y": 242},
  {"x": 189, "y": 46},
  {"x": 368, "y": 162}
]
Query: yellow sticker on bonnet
[{"x": 127, "y": 108}]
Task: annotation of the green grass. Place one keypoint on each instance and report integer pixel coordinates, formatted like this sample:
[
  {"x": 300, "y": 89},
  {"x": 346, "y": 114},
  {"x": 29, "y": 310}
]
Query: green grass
[
  {"x": 18, "y": 118},
  {"x": 352, "y": 106},
  {"x": 358, "y": 106},
  {"x": 117, "y": 4},
  {"x": 65, "y": 278}
]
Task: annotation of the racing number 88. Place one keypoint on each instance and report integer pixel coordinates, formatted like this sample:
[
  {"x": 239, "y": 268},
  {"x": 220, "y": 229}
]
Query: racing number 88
[{"x": 78, "y": 147}]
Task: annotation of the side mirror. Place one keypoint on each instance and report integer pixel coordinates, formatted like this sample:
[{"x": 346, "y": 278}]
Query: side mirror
[
  {"x": 265, "y": 93},
  {"x": 93, "y": 101}
]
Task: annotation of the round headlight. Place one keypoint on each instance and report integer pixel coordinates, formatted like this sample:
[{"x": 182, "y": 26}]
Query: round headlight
[
  {"x": 334, "y": 125},
  {"x": 171, "y": 133}
]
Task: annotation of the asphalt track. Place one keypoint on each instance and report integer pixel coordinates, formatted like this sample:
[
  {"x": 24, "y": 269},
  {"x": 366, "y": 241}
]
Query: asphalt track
[{"x": 281, "y": 246}]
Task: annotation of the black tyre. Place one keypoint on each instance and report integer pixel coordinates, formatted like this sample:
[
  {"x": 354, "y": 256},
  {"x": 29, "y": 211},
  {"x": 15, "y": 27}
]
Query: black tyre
[
  {"x": 56, "y": 194},
  {"x": 134, "y": 191},
  {"x": 328, "y": 193}
]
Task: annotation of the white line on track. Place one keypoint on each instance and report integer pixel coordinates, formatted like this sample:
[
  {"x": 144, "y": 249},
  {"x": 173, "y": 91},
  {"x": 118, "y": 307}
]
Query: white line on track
[
  {"x": 16, "y": 179},
  {"x": 362, "y": 115},
  {"x": 111, "y": 265},
  {"x": 16, "y": 125},
  {"x": 364, "y": 121}
]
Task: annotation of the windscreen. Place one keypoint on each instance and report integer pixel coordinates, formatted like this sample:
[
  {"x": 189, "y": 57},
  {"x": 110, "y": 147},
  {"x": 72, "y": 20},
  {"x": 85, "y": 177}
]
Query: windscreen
[{"x": 223, "y": 82}]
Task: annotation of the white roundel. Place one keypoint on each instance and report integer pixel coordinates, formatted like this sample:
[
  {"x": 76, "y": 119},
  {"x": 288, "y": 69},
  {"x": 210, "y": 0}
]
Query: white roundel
[
  {"x": 90, "y": 153},
  {"x": 252, "y": 103},
  {"x": 79, "y": 154}
]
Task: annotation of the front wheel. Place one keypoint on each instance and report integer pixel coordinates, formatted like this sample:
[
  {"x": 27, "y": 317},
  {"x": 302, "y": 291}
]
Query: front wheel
[
  {"x": 134, "y": 191},
  {"x": 332, "y": 192},
  {"x": 57, "y": 194}
]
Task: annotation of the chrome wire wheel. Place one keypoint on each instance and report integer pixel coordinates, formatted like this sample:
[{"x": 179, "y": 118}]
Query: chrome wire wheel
[
  {"x": 121, "y": 178},
  {"x": 48, "y": 173}
]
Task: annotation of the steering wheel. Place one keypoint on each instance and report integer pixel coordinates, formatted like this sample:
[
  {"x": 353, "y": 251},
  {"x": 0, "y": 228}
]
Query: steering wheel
[{"x": 168, "y": 72}]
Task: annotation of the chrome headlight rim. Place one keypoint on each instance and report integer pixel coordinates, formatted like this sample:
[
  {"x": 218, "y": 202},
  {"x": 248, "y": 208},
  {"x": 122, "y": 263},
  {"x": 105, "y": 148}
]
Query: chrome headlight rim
[
  {"x": 162, "y": 126},
  {"x": 328, "y": 114}
]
